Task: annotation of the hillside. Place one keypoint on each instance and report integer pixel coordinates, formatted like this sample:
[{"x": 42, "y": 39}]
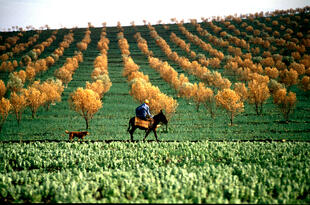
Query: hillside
[{"x": 278, "y": 41}]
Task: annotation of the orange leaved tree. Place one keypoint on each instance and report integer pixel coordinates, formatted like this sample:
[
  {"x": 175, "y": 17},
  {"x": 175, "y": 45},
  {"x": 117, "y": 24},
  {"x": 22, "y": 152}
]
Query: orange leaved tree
[
  {"x": 258, "y": 93},
  {"x": 205, "y": 96},
  {"x": 2, "y": 89},
  {"x": 53, "y": 90},
  {"x": 35, "y": 99},
  {"x": 285, "y": 102},
  {"x": 86, "y": 102},
  {"x": 230, "y": 101},
  {"x": 19, "y": 104},
  {"x": 5, "y": 107}
]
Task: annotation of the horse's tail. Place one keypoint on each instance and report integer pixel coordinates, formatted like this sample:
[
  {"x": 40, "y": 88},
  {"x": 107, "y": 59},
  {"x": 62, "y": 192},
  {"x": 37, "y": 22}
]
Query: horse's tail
[{"x": 129, "y": 125}]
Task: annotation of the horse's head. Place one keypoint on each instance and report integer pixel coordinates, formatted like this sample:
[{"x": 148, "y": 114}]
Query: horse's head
[{"x": 162, "y": 118}]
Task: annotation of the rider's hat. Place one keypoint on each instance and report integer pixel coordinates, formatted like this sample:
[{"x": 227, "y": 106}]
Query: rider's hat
[{"x": 146, "y": 101}]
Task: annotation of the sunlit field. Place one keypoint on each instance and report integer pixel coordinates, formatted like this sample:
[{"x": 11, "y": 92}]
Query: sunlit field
[{"x": 235, "y": 92}]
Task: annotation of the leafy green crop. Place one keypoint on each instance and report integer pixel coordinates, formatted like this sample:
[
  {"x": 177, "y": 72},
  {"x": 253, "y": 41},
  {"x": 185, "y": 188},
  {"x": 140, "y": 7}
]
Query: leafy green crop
[{"x": 166, "y": 172}]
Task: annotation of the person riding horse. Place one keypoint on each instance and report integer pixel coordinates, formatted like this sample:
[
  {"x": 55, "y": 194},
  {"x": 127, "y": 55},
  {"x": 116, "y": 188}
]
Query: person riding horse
[{"x": 143, "y": 111}]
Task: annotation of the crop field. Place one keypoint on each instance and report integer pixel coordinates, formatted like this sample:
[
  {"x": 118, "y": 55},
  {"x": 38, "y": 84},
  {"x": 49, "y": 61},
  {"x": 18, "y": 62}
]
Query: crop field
[
  {"x": 166, "y": 172},
  {"x": 262, "y": 157}
]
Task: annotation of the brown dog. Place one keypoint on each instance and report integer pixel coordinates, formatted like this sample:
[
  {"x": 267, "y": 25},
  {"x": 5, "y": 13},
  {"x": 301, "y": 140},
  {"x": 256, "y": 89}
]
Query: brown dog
[{"x": 79, "y": 135}]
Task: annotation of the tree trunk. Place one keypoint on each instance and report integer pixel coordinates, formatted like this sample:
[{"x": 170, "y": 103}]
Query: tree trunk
[
  {"x": 256, "y": 108},
  {"x": 231, "y": 118},
  {"x": 197, "y": 106},
  {"x": 261, "y": 109},
  {"x": 86, "y": 120},
  {"x": 286, "y": 115}
]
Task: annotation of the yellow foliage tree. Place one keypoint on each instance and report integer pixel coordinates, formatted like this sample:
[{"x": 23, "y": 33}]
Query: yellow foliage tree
[
  {"x": 242, "y": 91},
  {"x": 14, "y": 83},
  {"x": 86, "y": 102},
  {"x": 19, "y": 104},
  {"x": 35, "y": 99},
  {"x": 285, "y": 102},
  {"x": 230, "y": 101},
  {"x": 305, "y": 83},
  {"x": 272, "y": 72},
  {"x": 258, "y": 93},
  {"x": 30, "y": 72},
  {"x": 2, "y": 89},
  {"x": 289, "y": 77},
  {"x": 53, "y": 91},
  {"x": 96, "y": 86},
  {"x": 5, "y": 107},
  {"x": 204, "y": 95},
  {"x": 64, "y": 75}
]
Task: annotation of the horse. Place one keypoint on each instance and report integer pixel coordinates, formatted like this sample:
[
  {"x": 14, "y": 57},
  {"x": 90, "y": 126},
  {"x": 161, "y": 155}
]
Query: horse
[{"x": 159, "y": 118}]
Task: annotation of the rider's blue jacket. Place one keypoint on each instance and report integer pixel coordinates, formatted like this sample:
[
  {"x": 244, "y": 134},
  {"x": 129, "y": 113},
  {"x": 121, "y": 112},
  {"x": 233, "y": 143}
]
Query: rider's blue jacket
[{"x": 143, "y": 111}]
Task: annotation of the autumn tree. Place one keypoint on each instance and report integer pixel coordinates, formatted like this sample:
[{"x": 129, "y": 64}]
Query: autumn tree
[
  {"x": 204, "y": 95},
  {"x": 53, "y": 90},
  {"x": 5, "y": 107},
  {"x": 242, "y": 91},
  {"x": 15, "y": 84},
  {"x": 35, "y": 99},
  {"x": 97, "y": 87},
  {"x": 86, "y": 102},
  {"x": 30, "y": 73},
  {"x": 2, "y": 89},
  {"x": 305, "y": 83},
  {"x": 230, "y": 101},
  {"x": 272, "y": 72},
  {"x": 285, "y": 102},
  {"x": 258, "y": 93},
  {"x": 19, "y": 104},
  {"x": 289, "y": 77}
]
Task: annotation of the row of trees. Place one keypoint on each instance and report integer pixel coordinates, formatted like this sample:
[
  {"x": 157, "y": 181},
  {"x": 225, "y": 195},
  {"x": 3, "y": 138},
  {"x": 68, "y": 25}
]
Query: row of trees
[
  {"x": 258, "y": 91},
  {"x": 28, "y": 58},
  {"x": 301, "y": 64},
  {"x": 141, "y": 88},
  {"x": 36, "y": 95},
  {"x": 87, "y": 102},
  {"x": 257, "y": 94}
]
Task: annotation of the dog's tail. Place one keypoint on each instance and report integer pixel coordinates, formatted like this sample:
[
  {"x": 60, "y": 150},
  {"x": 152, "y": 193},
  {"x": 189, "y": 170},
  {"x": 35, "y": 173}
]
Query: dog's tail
[{"x": 67, "y": 132}]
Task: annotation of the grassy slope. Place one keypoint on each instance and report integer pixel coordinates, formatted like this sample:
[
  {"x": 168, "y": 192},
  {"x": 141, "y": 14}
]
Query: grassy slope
[{"x": 118, "y": 106}]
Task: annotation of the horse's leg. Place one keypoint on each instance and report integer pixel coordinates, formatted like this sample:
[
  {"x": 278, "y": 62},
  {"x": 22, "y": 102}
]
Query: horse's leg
[
  {"x": 132, "y": 131},
  {"x": 146, "y": 134},
  {"x": 155, "y": 135},
  {"x": 131, "y": 122}
]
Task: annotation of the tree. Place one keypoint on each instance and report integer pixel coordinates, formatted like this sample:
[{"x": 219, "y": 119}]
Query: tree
[
  {"x": 285, "y": 102},
  {"x": 2, "y": 89},
  {"x": 258, "y": 93},
  {"x": 289, "y": 77},
  {"x": 230, "y": 101},
  {"x": 86, "y": 102},
  {"x": 242, "y": 91},
  {"x": 15, "y": 84},
  {"x": 205, "y": 96},
  {"x": 64, "y": 75},
  {"x": 96, "y": 86},
  {"x": 305, "y": 83},
  {"x": 35, "y": 98},
  {"x": 19, "y": 104},
  {"x": 53, "y": 90},
  {"x": 5, "y": 107}
]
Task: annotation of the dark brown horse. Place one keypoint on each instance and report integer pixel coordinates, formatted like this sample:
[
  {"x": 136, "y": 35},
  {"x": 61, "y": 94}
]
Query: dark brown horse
[{"x": 159, "y": 118}]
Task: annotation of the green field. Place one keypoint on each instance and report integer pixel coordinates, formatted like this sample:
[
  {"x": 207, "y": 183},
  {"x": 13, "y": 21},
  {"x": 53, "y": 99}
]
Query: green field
[
  {"x": 260, "y": 159},
  {"x": 111, "y": 122},
  {"x": 166, "y": 172}
]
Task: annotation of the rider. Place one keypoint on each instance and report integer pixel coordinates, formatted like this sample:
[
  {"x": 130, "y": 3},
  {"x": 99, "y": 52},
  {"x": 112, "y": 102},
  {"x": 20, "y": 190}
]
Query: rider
[{"x": 143, "y": 111}]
